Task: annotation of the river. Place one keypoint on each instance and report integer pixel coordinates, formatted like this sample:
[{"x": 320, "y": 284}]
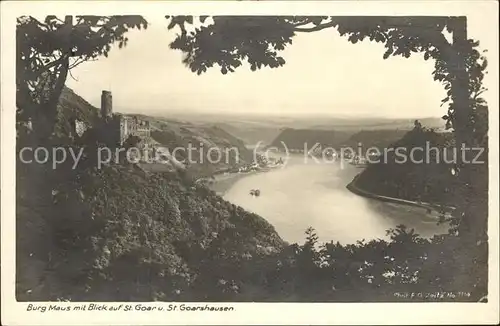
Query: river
[{"x": 309, "y": 194}]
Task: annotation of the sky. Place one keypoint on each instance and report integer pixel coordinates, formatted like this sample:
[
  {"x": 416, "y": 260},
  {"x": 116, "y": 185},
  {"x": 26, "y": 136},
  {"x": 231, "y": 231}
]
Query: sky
[{"x": 324, "y": 74}]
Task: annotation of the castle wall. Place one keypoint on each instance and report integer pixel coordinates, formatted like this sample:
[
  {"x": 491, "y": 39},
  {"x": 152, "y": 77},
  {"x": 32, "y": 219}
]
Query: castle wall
[
  {"x": 131, "y": 126},
  {"x": 123, "y": 130},
  {"x": 114, "y": 132}
]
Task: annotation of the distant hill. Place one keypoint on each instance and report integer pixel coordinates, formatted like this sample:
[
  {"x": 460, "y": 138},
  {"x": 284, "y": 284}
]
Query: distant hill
[
  {"x": 118, "y": 233},
  {"x": 169, "y": 133},
  {"x": 378, "y": 123},
  {"x": 204, "y": 139},
  {"x": 253, "y": 129},
  {"x": 252, "y": 134},
  {"x": 427, "y": 177},
  {"x": 343, "y": 132}
]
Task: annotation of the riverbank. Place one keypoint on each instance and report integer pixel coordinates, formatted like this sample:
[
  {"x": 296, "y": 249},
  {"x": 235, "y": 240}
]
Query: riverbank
[
  {"x": 360, "y": 192},
  {"x": 221, "y": 183}
]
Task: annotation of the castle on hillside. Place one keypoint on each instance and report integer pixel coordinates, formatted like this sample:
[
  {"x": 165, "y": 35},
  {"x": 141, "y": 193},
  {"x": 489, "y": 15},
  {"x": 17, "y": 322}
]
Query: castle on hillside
[{"x": 123, "y": 126}]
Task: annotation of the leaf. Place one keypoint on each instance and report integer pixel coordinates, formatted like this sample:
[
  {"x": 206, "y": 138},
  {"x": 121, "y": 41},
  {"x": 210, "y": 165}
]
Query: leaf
[{"x": 49, "y": 19}]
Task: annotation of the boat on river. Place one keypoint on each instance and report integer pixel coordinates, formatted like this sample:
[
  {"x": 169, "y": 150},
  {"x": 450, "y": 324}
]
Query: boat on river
[{"x": 255, "y": 192}]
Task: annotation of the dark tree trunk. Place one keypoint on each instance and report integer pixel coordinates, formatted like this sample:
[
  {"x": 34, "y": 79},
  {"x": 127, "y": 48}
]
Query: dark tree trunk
[
  {"x": 471, "y": 224},
  {"x": 472, "y": 193}
]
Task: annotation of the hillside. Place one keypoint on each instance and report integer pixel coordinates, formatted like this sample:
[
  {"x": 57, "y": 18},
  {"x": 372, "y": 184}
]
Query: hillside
[
  {"x": 387, "y": 130},
  {"x": 428, "y": 176},
  {"x": 264, "y": 128},
  {"x": 72, "y": 106},
  {"x": 425, "y": 177},
  {"x": 376, "y": 123},
  {"x": 117, "y": 224},
  {"x": 172, "y": 134}
]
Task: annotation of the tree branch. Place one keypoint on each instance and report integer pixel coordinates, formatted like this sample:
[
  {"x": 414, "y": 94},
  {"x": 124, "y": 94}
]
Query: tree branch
[
  {"x": 40, "y": 23},
  {"x": 53, "y": 64},
  {"x": 301, "y": 23},
  {"x": 77, "y": 62},
  {"x": 71, "y": 75}
]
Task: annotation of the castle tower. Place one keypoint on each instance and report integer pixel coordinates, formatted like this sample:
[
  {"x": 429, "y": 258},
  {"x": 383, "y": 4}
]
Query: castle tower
[{"x": 106, "y": 104}]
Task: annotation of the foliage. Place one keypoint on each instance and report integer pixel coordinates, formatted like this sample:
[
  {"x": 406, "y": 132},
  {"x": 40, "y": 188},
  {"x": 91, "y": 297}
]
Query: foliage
[
  {"x": 362, "y": 272},
  {"x": 375, "y": 138},
  {"x": 227, "y": 41},
  {"x": 47, "y": 50},
  {"x": 425, "y": 175}
]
